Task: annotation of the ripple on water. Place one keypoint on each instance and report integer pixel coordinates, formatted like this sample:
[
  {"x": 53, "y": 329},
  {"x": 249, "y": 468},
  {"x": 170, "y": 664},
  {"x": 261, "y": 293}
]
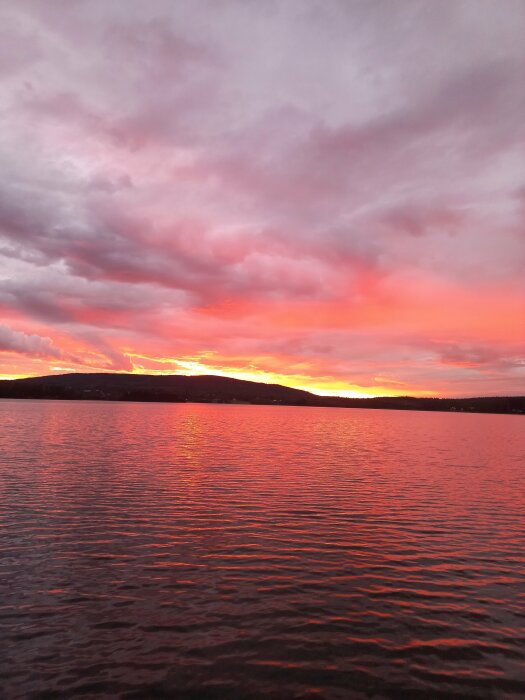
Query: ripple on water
[{"x": 152, "y": 550}]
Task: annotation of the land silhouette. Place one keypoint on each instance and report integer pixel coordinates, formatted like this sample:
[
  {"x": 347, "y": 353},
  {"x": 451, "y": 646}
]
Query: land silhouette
[{"x": 215, "y": 389}]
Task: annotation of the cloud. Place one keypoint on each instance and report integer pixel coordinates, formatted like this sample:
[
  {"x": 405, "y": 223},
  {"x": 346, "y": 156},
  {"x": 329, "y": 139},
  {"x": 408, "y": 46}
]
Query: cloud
[
  {"x": 32, "y": 345},
  {"x": 481, "y": 357},
  {"x": 293, "y": 181}
]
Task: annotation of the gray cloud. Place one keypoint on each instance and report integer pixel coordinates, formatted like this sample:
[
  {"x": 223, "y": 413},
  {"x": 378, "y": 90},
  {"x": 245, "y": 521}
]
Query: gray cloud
[{"x": 33, "y": 345}]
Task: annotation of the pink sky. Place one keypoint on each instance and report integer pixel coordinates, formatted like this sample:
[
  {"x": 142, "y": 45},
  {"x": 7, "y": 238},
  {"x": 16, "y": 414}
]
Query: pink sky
[{"x": 329, "y": 194}]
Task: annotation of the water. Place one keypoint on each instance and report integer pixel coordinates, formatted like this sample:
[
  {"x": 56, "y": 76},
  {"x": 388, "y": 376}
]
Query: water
[{"x": 209, "y": 551}]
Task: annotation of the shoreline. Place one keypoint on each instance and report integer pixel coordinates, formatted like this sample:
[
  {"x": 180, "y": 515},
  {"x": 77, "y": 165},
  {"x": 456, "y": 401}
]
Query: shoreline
[{"x": 377, "y": 406}]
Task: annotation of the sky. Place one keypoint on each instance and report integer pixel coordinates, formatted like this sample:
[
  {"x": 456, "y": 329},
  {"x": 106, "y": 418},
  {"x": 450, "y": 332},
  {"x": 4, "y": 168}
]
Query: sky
[{"x": 327, "y": 194}]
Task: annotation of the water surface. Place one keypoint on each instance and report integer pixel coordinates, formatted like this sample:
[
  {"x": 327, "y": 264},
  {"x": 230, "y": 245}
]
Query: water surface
[{"x": 211, "y": 551}]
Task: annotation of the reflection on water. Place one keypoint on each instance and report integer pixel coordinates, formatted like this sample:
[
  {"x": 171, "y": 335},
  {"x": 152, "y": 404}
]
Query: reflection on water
[{"x": 207, "y": 551}]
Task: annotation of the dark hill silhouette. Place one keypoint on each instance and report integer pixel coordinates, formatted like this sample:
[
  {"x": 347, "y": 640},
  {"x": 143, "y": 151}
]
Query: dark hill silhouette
[
  {"x": 144, "y": 387},
  {"x": 214, "y": 389}
]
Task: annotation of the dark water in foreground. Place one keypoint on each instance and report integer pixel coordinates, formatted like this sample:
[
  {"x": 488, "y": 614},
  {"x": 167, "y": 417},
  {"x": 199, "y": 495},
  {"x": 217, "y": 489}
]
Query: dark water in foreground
[{"x": 206, "y": 551}]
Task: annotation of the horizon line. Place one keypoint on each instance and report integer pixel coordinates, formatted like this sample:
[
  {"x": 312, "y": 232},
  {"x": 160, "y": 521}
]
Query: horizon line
[{"x": 252, "y": 381}]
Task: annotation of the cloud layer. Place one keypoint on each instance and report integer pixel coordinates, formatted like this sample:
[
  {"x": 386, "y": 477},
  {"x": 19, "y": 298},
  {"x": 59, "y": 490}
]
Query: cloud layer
[{"x": 329, "y": 194}]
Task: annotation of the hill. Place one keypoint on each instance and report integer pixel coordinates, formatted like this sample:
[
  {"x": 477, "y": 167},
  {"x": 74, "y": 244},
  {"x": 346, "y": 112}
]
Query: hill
[
  {"x": 214, "y": 389},
  {"x": 144, "y": 387}
]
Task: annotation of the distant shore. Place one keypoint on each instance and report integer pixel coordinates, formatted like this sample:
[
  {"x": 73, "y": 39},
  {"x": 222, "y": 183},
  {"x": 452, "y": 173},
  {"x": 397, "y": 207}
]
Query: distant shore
[{"x": 215, "y": 389}]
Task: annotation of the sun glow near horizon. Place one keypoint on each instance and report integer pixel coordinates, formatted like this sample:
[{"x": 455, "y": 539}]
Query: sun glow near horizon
[{"x": 320, "y": 386}]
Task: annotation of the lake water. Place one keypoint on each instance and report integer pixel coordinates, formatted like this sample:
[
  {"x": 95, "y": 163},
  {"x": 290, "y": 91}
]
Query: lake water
[{"x": 213, "y": 551}]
